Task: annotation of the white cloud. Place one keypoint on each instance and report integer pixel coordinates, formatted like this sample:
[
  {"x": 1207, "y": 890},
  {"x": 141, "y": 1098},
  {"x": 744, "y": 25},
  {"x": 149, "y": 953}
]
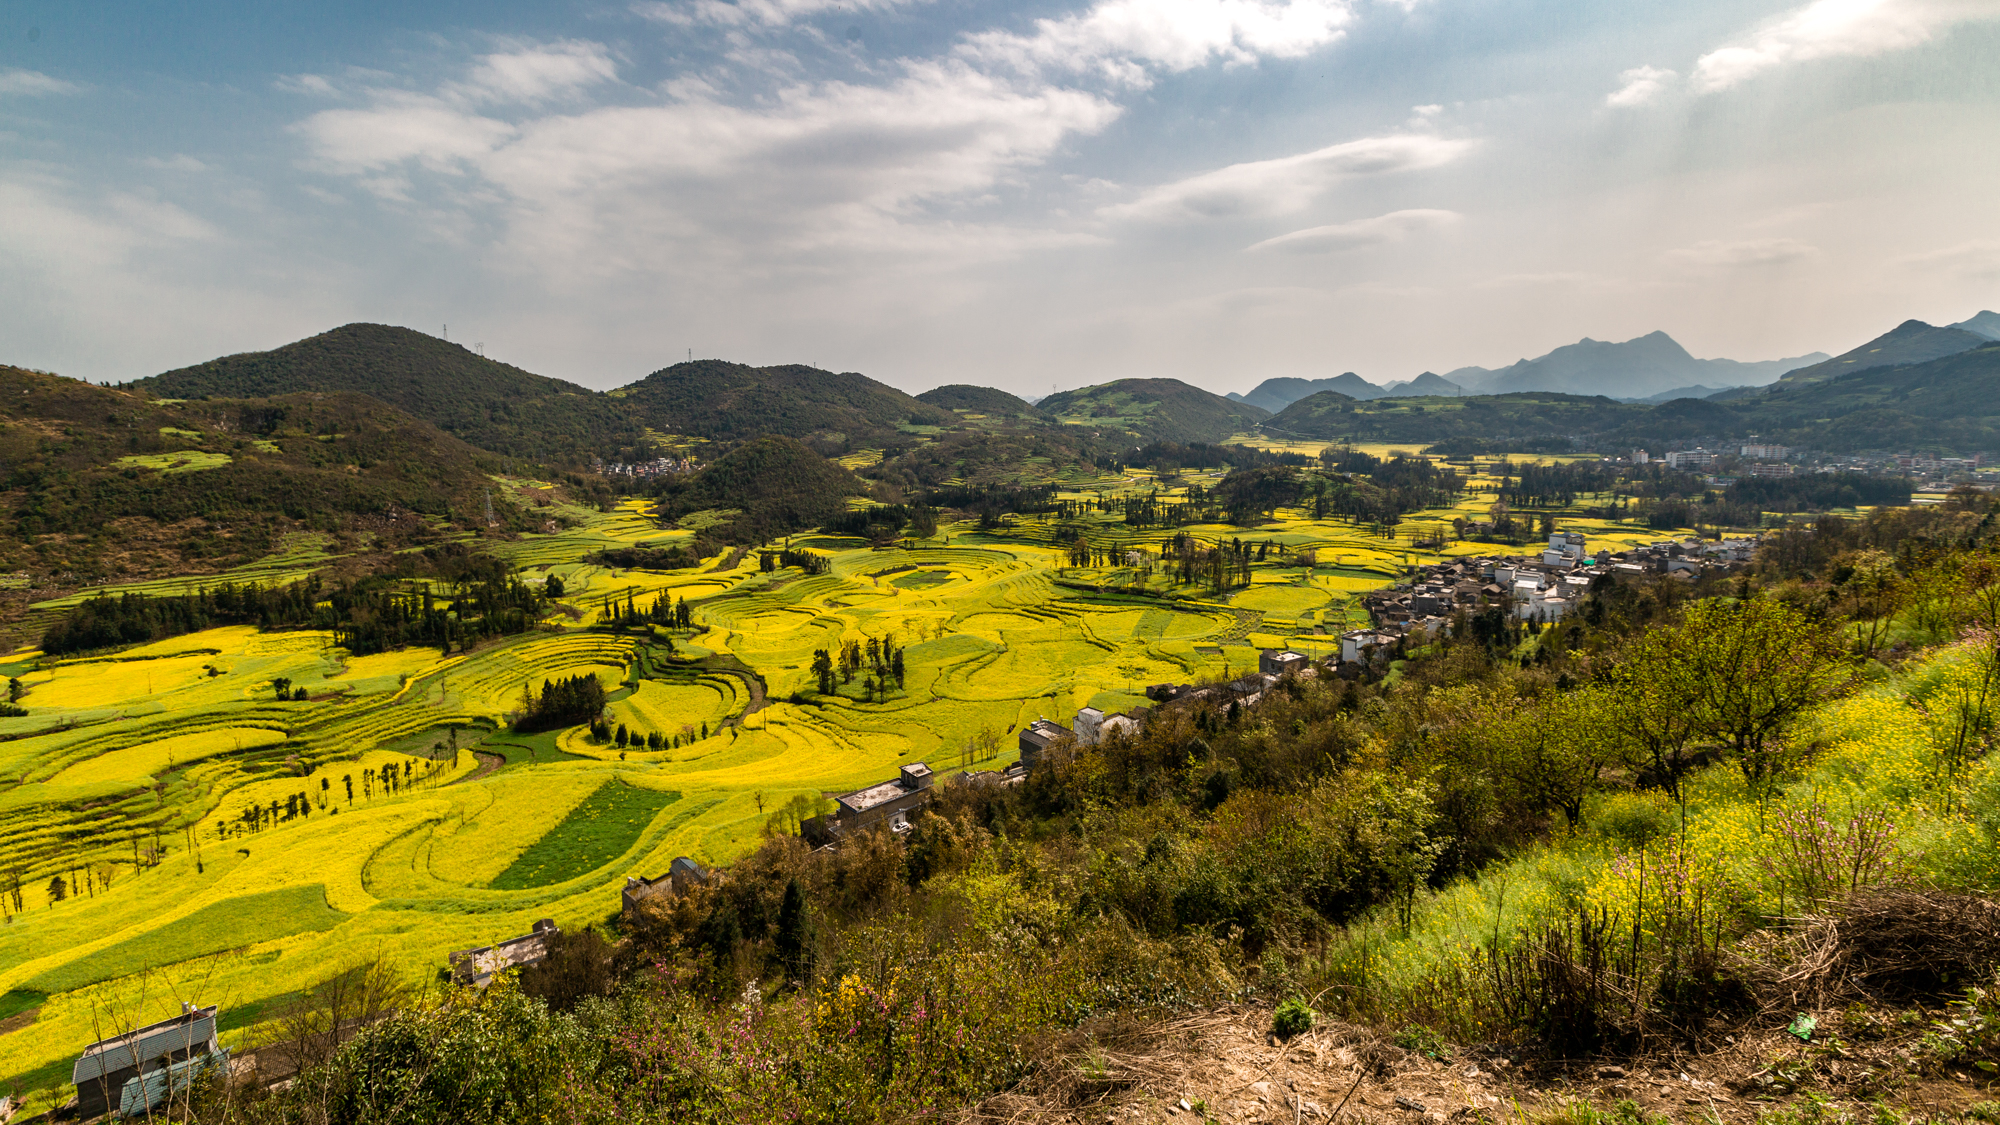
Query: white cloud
[
  {"x": 753, "y": 13},
  {"x": 313, "y": 84},
  {"x": 813, "y": 166},
  {"x": 538, "y": 72},
  {"x": 1835, "y": 29},
  {"x": 33, "y": 83},
  {"x": 401, "y": 126},
  {"x": 179, "y": 162},
  {"x": 1977, "y": 260},
  {"x": 1392, "y": 227},
  {"x": 1119, "y": 39},
  {"x": 1287, "y": 184},
  {"x": 1716, "y": 254},
  {"x": 1641, "y": 85}
]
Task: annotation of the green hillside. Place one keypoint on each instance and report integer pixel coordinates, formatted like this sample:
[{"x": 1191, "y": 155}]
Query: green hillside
[
  {"x": 1153, "y": 410},
  {"x": 1952, "y": 403},
  {"x": 1331, "y": 416},
  {"x": 103, "y": 482},
  {"x": 1949, "y": 404},
  {"x": 725, "y": 401},
  {"x": 1912, "y": 341},
  {"x": 776, "y": 483},
  {"x": 484, "y": 402},
  {"x": 982, "y": 401}
]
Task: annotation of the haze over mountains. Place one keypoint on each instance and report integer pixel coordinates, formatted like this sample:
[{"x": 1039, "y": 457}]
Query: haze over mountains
[
  {"x": 1653, "y": 368},
  {"x": 1650, "y": 367}
]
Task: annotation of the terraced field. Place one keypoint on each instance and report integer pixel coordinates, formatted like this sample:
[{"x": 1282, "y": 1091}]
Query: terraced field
[{"x": 213, "y": 843}]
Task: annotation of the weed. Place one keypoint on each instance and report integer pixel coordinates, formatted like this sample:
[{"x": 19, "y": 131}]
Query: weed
[{"x": 1293, "y": 1017}]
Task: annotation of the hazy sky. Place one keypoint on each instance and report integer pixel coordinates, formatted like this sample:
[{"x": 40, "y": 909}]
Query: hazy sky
[{"x": 1023, "y": 195}]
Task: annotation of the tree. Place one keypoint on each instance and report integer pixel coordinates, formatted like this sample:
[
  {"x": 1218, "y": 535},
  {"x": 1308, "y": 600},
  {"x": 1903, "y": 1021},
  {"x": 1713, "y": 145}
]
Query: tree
[
  {"x": 1654, "y": 703},
  {"x": 554, "y": 587},
  {"x": 794, "y": 938},
  {"x": 822, "y": 668},
  {"x": 1758, "y": 664},
  {"x": 1556, "y": 752},
  {"x": 58, "y": 890}
]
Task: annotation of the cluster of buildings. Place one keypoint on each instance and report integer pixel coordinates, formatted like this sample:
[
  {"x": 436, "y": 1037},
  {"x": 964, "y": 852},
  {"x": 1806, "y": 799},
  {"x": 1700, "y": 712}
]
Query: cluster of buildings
[
  {"x": 659, "y": 466},
  {"x": 1766, "y": 459},
  {"x": 1543, "y": 587}
]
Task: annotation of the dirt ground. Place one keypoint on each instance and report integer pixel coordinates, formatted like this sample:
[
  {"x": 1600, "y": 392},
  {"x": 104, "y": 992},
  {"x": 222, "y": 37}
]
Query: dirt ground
[{"x": 1226, "y": 1066}]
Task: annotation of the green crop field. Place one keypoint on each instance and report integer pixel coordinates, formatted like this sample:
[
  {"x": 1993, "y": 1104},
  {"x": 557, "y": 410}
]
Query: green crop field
[
  {"x": 598, "y": 830},
  {"x": 214, "y": 843}
]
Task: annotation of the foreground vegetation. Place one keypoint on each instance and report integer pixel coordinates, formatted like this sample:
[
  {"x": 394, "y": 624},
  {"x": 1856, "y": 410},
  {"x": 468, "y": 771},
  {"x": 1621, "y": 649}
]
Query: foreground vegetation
[{"x": 1684, "y": 814}]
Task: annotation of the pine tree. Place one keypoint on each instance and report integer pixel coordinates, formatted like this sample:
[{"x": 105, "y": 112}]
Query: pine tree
[{"x": 794, "y": 937}]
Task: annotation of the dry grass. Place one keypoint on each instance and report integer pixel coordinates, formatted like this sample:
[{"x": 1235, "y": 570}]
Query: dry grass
[{"x": 1897, "y": 944}]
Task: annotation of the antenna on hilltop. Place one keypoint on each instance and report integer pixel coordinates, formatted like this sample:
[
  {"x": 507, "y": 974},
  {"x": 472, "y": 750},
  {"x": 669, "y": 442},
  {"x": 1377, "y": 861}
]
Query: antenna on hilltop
[{"x": 447, "y": 331}]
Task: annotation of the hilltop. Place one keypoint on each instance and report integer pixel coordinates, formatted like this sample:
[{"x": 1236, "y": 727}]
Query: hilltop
[
  {"x": 985, "y": 401},
  {"x": 1952, "y": 401},
  {"x": 1154, "y": 410},
  {"x": 1276, "y": 394},
  {"x": 716, "y": 399},
  {"x": 483, "y": 402},
  {"x": 1912, "y": 341}
]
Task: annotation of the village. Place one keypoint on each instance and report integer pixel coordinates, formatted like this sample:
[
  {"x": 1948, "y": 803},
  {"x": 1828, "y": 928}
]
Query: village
[{"x": 139, "y": 1071}]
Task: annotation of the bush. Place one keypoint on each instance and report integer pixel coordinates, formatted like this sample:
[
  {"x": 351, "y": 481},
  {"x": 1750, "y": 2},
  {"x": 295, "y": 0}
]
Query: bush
[
  {"x": 1293, "y": 1017},
  {"x": 1635, "y": 819}
]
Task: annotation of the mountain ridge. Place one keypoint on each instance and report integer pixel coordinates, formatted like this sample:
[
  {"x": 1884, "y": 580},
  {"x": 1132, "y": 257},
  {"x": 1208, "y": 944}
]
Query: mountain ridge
[{"x": 484, "y": 402}]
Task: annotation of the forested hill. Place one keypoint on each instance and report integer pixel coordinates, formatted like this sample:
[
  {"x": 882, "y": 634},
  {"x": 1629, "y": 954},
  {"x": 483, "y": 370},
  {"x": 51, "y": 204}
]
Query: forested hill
[
  {"x": 713, "y": 398},
  {"x": 775, "y": 484},
  {"x": 102, "y": 482},
  {"x": 493, "y": 405},
  {"x": 984, "y": 401},
  {"x": 1912, "y": 341},
  {"x": 1154, "y": 410}
]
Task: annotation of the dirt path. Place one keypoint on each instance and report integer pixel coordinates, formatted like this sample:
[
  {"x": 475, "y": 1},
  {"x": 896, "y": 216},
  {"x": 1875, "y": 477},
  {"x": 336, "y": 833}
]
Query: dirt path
[{"x": 487, "y": 764}]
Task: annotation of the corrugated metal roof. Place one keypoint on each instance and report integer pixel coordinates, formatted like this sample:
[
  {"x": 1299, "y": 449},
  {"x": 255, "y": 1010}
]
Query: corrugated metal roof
[{"x": 144, "y": 1045}]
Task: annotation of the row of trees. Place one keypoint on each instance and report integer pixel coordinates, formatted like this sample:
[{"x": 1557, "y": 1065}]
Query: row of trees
[{"x": 369, "y": 615}]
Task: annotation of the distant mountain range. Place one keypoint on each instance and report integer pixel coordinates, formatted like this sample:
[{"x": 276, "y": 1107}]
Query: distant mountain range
[
  {"x": 1914, "y": 387},
  {"x": 1652, "y": 367}
]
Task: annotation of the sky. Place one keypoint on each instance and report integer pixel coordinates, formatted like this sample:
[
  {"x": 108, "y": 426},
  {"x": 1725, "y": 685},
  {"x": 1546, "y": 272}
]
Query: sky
[{"x": 1031, "y": 195}]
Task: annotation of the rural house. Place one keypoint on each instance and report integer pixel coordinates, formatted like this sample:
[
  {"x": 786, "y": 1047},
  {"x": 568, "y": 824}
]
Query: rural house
[
  {"x": 1272, "y": 662},
  {"x": 681, "y": 875},
  {"x": 478, "y": 967},
  {"x": 135, "y": 1073},
  {"x": 1037, "y": 737}
]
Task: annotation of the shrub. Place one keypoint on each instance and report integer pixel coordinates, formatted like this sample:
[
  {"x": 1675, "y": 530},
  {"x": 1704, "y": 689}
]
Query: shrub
[
  {"x": 1293, "y": 1017},
  {"x": 1635, "y": 820}
]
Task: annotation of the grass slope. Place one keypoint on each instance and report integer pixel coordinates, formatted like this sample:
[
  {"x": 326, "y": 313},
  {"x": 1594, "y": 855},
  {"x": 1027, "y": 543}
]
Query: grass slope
[{"x": 229, "y": 924}]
